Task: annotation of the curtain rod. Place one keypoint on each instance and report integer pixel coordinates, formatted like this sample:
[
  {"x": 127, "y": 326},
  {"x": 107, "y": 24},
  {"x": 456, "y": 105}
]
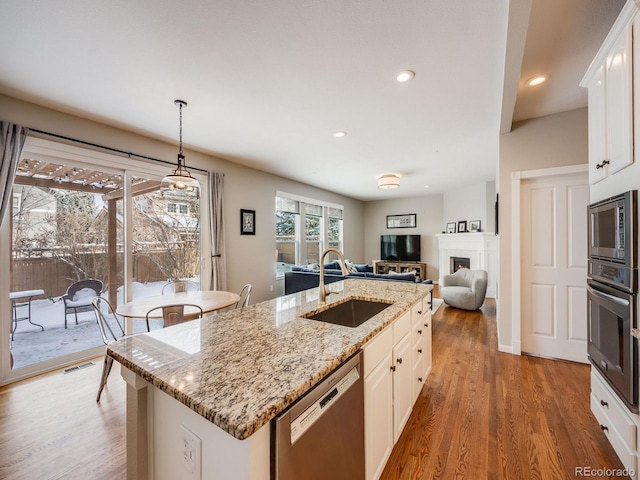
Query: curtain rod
[{"x": 116, "y": 150}]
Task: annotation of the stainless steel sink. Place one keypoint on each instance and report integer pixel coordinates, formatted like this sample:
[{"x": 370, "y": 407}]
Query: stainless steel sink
[{"x": 351, "y": 313}]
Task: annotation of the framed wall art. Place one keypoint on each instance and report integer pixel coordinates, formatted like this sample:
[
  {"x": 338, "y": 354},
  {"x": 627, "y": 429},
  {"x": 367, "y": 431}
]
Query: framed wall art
[
  {"x": 474, "y": 226},
  {"x": 247, "y": 222},
  {"x": 401, "y": 221},
  {"x": 462, "y": 226},
  {"x": 451, "y": 227}
]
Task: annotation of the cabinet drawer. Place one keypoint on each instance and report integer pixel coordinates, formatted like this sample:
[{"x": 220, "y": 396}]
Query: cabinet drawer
[
  {"x": 609, "y": 404},
  {"x": 417, "y": 310},
  {"x": 401, "y": 327},
  {"x": 377, "y": 349},
  {"x": 626, "y": 453}
]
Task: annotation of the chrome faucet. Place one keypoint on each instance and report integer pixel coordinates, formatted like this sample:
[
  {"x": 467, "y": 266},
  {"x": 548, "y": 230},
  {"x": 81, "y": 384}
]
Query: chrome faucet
[{"x": 322, "y": 297}]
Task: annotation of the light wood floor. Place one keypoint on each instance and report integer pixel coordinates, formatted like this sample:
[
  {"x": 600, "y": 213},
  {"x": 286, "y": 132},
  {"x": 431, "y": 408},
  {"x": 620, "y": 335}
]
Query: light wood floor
[{"x": 481, "y": 415}]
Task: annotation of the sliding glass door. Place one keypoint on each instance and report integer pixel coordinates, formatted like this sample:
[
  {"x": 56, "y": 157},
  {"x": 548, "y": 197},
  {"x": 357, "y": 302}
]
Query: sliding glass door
[{"x": 75, "y": 231}]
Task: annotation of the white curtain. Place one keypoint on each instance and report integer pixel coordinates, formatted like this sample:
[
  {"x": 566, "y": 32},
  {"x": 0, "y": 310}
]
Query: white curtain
[
  {"x": 11, "y": 143},
  {"x": 216, "y": 227}
]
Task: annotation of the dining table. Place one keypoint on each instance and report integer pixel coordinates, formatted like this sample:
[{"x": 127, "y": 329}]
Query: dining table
[{"x": 208, "y": 300}]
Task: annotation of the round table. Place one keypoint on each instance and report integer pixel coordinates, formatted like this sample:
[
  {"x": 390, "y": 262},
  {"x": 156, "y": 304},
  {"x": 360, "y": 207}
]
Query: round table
[{"x": 208, "y": 300}]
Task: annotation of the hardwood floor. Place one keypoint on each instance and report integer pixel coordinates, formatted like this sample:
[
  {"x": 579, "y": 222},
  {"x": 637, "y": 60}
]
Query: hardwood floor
[
  {"x": 52, "y": 428},
  {"x": 481, "y": 415}
]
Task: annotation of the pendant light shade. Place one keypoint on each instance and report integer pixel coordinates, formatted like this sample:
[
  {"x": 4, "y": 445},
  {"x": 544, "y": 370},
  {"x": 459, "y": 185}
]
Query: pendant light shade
[{"x": 180, "y": 181}]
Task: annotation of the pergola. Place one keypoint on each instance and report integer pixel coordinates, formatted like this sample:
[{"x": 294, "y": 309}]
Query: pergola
[{"x": 38, "y": 173}]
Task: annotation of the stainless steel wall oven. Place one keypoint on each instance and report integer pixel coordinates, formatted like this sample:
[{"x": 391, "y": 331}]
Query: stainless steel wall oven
[{"x": 612, "y": 293}]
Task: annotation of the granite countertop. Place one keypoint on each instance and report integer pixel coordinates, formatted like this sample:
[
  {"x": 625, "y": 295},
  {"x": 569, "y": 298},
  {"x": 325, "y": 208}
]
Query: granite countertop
[{"x": 241, "y": 368}]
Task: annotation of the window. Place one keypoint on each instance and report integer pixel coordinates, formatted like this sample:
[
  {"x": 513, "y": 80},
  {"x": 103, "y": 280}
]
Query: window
[
  {"x": 181, "y": 208},
  {"x": 304, "y": 229}
]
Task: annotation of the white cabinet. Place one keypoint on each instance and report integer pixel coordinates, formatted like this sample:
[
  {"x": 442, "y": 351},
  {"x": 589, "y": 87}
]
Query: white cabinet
[
  {"x": 421, "y": 341},
  {"x": 378, "y": 420},
  {"x": 389, "y": 376},
  {"x": 609, "y": 80},
  {"x": 617, "y": 423}
]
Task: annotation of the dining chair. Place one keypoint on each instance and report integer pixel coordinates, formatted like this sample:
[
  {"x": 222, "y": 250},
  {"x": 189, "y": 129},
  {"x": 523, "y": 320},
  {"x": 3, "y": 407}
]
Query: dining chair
[
  {"x": 112, "y": 330},
  {"x": 179, "y": 286},
  {"x": 175, "y": 313},
  {"x": 245, "y": 295}
]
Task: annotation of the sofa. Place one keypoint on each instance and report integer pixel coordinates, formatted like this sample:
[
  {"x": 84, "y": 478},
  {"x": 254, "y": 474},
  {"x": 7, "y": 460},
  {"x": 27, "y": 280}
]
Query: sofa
[
  {"x": 464, "y": 289},
  {"x": 302, "y": 278}
]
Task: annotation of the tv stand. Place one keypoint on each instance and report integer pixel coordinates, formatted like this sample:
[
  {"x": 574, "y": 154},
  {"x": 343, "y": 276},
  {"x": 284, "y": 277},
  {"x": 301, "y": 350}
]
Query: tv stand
[{"x": 380, "y": 266}]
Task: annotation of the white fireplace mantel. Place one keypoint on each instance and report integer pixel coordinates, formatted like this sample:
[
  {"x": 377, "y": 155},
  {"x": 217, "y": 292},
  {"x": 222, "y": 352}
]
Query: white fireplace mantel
[{"x": 480, "y": 247}]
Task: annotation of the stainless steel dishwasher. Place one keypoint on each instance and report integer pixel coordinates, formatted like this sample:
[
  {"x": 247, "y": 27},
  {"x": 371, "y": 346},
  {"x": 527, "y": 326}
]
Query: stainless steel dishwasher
[{"x": 321, "y": 436}]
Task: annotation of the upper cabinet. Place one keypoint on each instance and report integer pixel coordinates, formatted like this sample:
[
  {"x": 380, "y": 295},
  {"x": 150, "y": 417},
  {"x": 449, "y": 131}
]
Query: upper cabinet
[{"x": 610, "y": 83}]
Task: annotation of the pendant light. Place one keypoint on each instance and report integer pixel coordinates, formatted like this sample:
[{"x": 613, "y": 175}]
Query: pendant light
[{"x": 180, "y": 181}]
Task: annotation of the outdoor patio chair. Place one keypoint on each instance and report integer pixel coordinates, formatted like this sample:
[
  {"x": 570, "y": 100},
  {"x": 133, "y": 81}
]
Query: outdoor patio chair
[
  {"x": 245, "y": 294},
  {"x": 111, "y": 328},
  {"x": 174, "y": 314},
  {"x": 179, "y": 286},
  {"x": 78, "y": 297}
]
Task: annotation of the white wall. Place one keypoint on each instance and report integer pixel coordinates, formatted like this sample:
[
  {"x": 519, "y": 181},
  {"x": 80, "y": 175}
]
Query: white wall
[
  {"x": 429, "y": 222},
  {"x": 545, "y": 142},
  {"x": 250, "y": 259},
  {"x": 471, "y": 202}
]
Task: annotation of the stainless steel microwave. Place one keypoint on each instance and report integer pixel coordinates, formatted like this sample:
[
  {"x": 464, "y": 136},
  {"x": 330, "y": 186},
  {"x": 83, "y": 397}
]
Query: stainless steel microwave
[{"x": 613, "y": 229}]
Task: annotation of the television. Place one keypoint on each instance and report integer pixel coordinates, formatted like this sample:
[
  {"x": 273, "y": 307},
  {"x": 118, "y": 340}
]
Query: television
[{"x": 401, "y": 248}]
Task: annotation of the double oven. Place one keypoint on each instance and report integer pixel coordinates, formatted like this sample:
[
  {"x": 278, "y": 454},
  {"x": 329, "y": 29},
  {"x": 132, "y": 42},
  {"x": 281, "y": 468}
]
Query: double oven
[{"x": 612, "y": 292}]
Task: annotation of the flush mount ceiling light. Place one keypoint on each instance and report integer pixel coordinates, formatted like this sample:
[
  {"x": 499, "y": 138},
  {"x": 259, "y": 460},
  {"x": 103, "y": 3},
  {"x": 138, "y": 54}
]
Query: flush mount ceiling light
[
  {"x": 180, "y": 181},
  {"x": 537, "y": 80},
  {"x": 389, "y": 180},
  {"x": 405, "y": 76}
]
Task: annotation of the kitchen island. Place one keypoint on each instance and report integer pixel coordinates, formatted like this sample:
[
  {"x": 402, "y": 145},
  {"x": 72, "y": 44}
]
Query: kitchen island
[{"x": 238, "y": 370}]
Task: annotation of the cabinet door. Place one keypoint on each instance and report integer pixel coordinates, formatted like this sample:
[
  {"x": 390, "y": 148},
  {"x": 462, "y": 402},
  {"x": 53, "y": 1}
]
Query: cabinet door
[
  {"x": 597, "y": 138},
  {"x": 619, "y": 103},
  {"x": 402, "y": 399},
  {"x": 378, "y": 418}
]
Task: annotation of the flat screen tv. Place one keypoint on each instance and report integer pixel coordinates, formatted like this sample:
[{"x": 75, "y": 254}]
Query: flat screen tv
[{"x": 401, "y": 248}]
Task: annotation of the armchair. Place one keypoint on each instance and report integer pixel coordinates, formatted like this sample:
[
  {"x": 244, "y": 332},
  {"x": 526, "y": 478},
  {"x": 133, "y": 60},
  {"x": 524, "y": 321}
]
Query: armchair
[{"x": 464, "y": 289}]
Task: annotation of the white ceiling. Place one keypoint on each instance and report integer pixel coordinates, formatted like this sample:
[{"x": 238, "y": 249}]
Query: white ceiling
[{"x": 268, "y": 83}]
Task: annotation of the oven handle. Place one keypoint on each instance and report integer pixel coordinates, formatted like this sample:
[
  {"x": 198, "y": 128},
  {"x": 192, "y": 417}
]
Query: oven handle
[{"x": 618, "y": 301}]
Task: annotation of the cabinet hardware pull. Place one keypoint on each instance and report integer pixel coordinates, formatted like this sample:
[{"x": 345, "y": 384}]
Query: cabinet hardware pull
[
  {"x": 604, "y": 429},
  {"x": 599, "y": 166},
  {"x": 419, "y": 312},
  {"x": 420, "y": 379},
  {"x": 426, "y": 324},
  {"x": 419, "y": 350},
  {"x": 400, "y": 360},
  {"x": 393, "y": 368},
  {"x": 603, "y": 403},
  {"x": 420, "y": 332},
  {"x": 605, "y": 162}
]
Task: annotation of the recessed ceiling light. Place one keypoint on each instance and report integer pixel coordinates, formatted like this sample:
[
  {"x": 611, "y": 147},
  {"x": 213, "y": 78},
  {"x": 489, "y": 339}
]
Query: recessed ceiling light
[
  {"x": 537, "y": 80},
  {"x": 405, "y": 75},
  {"x": 427, "y": 186},
  {"x": 340, "y": 134}
]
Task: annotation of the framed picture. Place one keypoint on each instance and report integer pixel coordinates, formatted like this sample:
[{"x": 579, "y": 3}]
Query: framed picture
[
  {"x": 401, "y": 221},
  {"x": 247, "y": 222},
  {"x": 462, "y": 226},
  {"x": 474, "y": 226},
  {"x": 451, "y": 227}
]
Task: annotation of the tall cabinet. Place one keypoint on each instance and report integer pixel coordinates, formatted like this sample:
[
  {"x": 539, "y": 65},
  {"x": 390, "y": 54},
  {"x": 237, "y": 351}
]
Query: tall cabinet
[{"x": 613, "y": 80}]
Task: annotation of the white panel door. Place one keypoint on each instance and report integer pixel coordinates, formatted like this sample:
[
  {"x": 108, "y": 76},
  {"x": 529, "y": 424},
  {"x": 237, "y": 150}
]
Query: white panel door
[{"x": 554, "y": 266}]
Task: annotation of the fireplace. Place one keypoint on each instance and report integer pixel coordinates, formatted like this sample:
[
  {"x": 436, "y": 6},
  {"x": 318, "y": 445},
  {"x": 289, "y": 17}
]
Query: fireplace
[{"x": 456, "y": 263}]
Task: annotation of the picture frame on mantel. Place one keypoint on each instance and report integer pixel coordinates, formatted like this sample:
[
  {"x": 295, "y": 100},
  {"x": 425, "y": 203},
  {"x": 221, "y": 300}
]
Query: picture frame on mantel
[
  {"x": 451, "y": 227},
  {"x": 474, "y": 225},
  {"x": 247, "y": 222},
  {"x": 462, "y": 226},
  {"x": 401, "y": 221}
]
